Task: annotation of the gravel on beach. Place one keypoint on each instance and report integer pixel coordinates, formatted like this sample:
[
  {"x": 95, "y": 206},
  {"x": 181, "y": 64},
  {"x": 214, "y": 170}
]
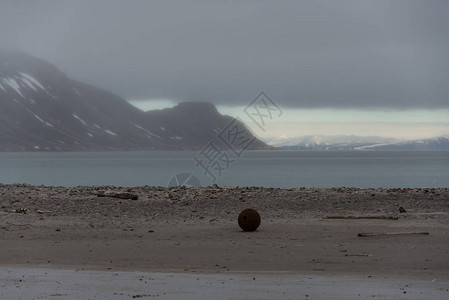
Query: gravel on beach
[{"x": 214, "y": 204}]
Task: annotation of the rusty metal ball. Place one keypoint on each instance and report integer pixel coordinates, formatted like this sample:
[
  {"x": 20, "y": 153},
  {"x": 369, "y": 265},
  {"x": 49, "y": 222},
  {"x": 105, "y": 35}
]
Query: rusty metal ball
[{"x": 249, "y": 219}]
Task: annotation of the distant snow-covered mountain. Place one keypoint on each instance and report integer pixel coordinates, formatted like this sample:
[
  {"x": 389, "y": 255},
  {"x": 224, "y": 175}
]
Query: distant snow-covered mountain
[
  {"x": 322, "y": 142},
  {"x": 437, "y": 143},
  {"x": 351, "y": 142}
]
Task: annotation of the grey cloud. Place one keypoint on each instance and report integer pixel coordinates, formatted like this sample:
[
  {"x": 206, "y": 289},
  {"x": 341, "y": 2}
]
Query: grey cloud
[{"x": 304, "y": 54}]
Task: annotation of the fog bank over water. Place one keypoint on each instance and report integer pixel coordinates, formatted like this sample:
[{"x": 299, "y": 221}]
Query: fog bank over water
[{"x": 392, "y": 123}]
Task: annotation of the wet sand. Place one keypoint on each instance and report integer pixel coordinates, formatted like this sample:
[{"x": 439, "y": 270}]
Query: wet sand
[
  {"x": 45, "y": 283},
  {"x": 195, "y": 231}
]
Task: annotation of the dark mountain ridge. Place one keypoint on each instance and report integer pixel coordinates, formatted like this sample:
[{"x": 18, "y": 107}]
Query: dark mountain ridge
[{"x": 43, "y": 109}]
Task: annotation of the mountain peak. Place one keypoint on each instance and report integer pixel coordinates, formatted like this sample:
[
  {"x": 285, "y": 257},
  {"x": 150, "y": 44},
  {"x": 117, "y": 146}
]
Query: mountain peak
[
  {"x": 13, "y": 62},
  {"x": 196, "y": 108}
]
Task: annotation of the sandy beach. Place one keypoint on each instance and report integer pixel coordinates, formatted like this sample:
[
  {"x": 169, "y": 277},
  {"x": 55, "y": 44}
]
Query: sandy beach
[{"x": 195, "y": 231}]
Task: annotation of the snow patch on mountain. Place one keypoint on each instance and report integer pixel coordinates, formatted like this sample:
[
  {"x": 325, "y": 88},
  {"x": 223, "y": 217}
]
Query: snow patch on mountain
[
  {"x": 29, "y": 84},
  {"x": 13, "y": 84},
  {"x": 40, "y": 119},
  {"x": 176, "y": 138},
  {"x": 150, "y": 134},
  {"x": 19, "y": 82},
  {"x": 32, "y": 79},
  {"x": 367, "y": 147},
  {"x": 79, "y": 119},
  {"x": 110, "y": 132}
]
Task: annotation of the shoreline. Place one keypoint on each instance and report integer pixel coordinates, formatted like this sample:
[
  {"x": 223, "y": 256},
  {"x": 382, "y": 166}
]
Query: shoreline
[
  {"x": 195, "y": 231},
  {"x": 42, "y": 283}
]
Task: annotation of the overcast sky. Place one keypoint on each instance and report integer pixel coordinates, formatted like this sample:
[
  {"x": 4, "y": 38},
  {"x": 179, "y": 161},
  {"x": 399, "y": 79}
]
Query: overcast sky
[{"x": 305, "y": 54}]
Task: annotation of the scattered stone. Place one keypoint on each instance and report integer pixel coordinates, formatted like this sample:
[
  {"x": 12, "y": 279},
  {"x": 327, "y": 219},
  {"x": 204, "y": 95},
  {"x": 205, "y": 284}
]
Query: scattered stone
[
  {"x": 195, "y": 205},
  {"x": 402, "y": 210},
  {"x": 20, "y": 210}
]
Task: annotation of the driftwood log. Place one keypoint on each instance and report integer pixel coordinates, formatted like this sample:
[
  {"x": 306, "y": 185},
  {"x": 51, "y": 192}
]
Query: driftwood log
[
  {"x": 361, "y": 217},
  {"x": 120, "y": 195},
  {"x": 366, "y": 234}
]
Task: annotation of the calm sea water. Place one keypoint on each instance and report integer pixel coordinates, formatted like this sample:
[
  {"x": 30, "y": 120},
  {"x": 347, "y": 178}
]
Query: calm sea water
[{"x": 255, "y": 168}]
